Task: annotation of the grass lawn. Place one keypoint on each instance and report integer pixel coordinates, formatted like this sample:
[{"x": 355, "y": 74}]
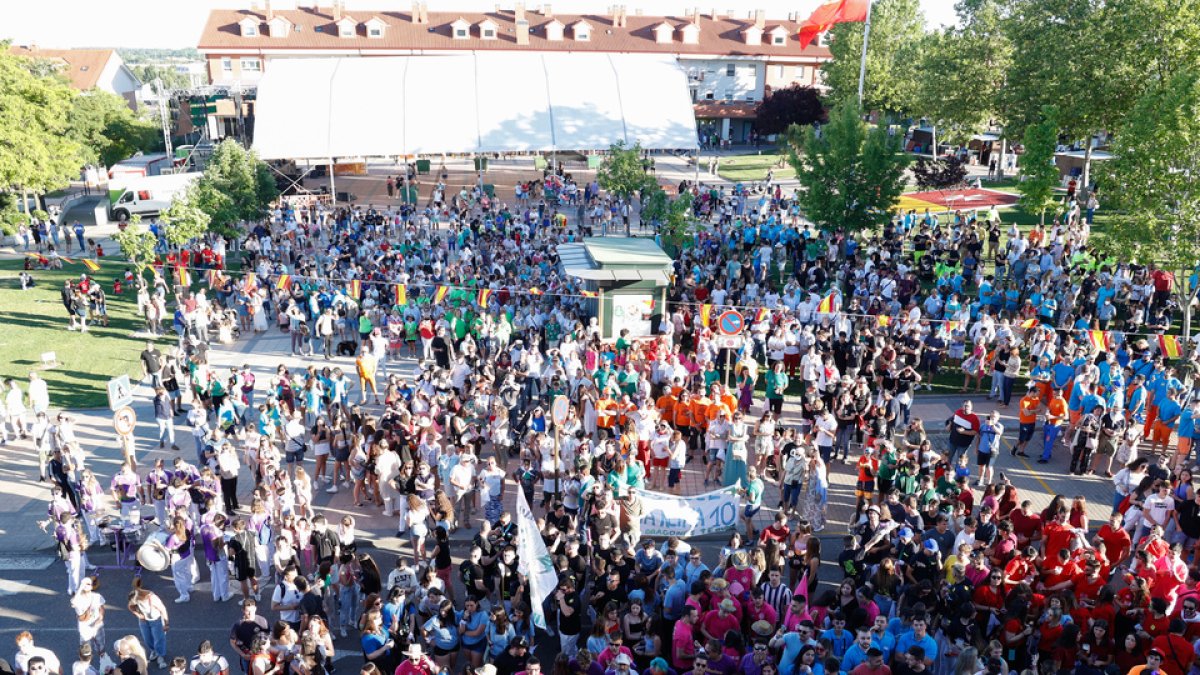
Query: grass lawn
[
  {"x": 744, "y": 168},
  {"x": 34, "y": 321}
]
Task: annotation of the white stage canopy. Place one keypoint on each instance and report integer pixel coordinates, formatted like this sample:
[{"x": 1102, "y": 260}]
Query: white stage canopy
[{"x": 323, "y": 108}]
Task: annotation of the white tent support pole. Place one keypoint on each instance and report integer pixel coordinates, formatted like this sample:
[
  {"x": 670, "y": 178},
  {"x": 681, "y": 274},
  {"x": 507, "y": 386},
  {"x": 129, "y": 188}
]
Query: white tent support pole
[
  {"x": 862, "y": 66},
  {"x": 332, "y": 184}
]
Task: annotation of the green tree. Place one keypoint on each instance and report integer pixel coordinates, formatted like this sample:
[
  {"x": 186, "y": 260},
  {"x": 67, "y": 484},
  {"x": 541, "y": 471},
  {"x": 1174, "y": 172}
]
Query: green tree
[
  {"x": 781, "y": 108},
  {"x": 171, "y": 79},
  {"x": 37, "y": 151},
  {"x": 108, "y": 130},
  {"x": 1039, "y": 175},
  {"x": 184, "y": 220},
  {"x": 850, "y": 176},
  {"x": 961, "y": 71},
  {"x": 672, "y": 218},
  {"x": 237, "y": 186},
  {"x": 137, "y": 244},
  {"x": 897, "y": 30},
  {"x": 1153, "y": 180},
  {"x": 622, "y": 171}
]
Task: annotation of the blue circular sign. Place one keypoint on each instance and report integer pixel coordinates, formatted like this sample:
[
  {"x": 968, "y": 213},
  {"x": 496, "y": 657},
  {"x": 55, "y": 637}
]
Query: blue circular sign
[{"x": 731, "y": 322}]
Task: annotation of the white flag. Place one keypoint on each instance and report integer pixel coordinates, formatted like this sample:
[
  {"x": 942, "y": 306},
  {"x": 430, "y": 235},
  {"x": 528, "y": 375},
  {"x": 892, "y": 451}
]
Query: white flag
[{"x": 535, "y": 561}]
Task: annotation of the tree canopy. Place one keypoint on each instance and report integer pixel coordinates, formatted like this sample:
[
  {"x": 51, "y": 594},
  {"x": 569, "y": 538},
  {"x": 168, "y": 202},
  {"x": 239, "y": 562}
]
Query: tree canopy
[
  {"x": 850, "y": 175},
  {"x": 37, "y": 149},
  {"x": 108, "y": 130},
  {"x": 622, "y": 171},
  {"x": 1153, "y": 179},
  {"x": 939, "y": 174},
  {"x": 237, "y": 186},
  {"x": 781, "y": 108},
  {"x": 1039, "y": 175},
  {"x": 897, "y": 30}
]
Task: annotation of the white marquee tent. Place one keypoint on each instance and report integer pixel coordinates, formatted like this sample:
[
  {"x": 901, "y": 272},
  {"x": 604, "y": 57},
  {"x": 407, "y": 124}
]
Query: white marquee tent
[{"x": 324, "y": 108}]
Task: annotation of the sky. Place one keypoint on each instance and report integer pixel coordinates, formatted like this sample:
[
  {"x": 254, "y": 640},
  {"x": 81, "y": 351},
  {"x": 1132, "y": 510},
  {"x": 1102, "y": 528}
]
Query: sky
[{"x": 176, "y": 24}]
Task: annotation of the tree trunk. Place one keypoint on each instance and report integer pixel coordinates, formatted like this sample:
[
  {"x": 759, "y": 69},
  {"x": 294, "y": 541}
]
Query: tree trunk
[
  {"x": 1087, "y": 164},
  {"x": 24, "y": 201}
]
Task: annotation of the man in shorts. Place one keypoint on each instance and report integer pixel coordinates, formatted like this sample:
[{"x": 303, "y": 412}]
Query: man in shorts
[
  {"x": 1027, "y": 414},
  {"x": 241, "y": 547},
  {"x": 987, "y": 446},
  {"x": 864, "y": 487}
]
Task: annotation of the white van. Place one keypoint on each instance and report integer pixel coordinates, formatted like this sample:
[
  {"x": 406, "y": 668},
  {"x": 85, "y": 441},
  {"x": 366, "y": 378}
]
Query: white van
[{"x": 145, "y": 196}]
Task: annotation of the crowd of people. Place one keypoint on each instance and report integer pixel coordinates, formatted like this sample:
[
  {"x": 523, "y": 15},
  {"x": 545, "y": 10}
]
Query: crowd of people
[{"x": 933, "y": 575}]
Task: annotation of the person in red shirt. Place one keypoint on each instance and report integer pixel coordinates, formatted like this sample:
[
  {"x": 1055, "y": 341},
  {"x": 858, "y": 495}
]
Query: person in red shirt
[
  {"x": 416, "y": 663},
  {"x": 1089, "y": 583},
  {"x": 718, "y": 621},
  {"x": 777, "y": 531},
  {"x": 1156, "y": 622},
  {"x": 1058, "y": 534},
  {"x": 1057, "y": 574},
  {"x": 1116, "y": 540},
  {"x": 1177, "y": 649},
  {"x": 1027, "y": 525},
  {"x": 989, "y": 597},
  {"x": 1170, "y": 571},
  {"x": 1022, "y": 568}
]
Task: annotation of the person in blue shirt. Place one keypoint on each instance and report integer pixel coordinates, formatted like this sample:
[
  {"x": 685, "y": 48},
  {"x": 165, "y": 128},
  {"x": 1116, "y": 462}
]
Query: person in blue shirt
[
  {"x": 1187, "y": 431},
  {"x": 919, "y": 637},
  {"x": 857, "y": 653},
  {"x": 1136, "y": 403},
  {"x": 1061, "y": 374},
  {"x": 1168, "y": 417},
  {"x": 675, "y": 596},
  {"x": 839, "y": 638},
  {"x": 793, "y": 643}
]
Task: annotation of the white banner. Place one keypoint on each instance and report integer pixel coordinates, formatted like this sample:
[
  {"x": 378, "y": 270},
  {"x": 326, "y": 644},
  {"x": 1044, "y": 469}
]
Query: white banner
[
  {"x": 666, "y": 515},
  {"x": 535, "y": 562}
]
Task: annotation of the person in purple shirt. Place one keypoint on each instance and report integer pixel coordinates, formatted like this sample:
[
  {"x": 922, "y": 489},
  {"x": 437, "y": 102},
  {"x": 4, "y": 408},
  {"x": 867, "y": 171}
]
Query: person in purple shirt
[
  {"x": 758, "y": 657},
  {"x": 212, "y": 536},
  {"x": 154, "y": 490},
  {"x": 69, "y": 539},
  {"x": 124, "y": 488},
  {"x": 718, "y": 661}
]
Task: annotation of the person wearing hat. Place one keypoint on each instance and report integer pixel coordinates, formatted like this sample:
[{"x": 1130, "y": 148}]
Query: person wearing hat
[
  {"x": 725, "y": 617},
  {"x": 417, "y": 663},
  {"x": 515, "y": 658}
]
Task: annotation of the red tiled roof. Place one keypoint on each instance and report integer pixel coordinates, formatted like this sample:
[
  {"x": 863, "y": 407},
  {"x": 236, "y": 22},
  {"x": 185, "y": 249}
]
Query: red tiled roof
[
  {"x": 735, "y": 110},
  {"x": 317, "y": 31},
  {"x": 82, "y": 66}
]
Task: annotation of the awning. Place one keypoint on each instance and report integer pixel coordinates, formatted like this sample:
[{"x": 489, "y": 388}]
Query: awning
[{"x": 325, "y": 108}]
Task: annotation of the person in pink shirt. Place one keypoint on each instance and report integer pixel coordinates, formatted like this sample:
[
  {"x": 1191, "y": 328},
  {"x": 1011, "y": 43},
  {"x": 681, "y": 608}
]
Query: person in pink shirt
[
  {"x": 797, "y": 612},
  {"x": 761, "y": 610},
  {"x": 718, "y": 621}
]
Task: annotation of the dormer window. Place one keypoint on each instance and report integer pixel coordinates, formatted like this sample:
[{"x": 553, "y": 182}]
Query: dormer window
[
  {"x": 554, "y": 31},
  {"x": 375, "y": 27},
  {"x": 690, "y": 34},
  {"x": 778, "y": 36},
  {"x": 347, "y": 27},
  {"x": 249, "y": 26},
  {"x": 662, "y": 33},
  {"x": 460, "y": 29},
  {"x": 753, "y": 35},
  {"x": 487, "y": 29},
  {"x": 582, "y": 31},
  {"x": 279, "y": 27}
]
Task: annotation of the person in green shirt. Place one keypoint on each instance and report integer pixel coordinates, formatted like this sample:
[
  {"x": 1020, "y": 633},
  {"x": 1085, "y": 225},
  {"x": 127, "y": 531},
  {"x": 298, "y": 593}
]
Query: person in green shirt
[
  {"x": 364, "y": 327},
  {"x": 887, "y": 467},
  {"x": 752, "y": 492},
  {"x": 777, "y": 383}
]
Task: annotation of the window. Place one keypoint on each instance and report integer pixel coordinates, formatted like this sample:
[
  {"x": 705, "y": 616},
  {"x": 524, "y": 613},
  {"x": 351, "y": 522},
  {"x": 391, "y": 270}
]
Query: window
[
  {"x": 375, "y": 32},
  {"x": 251, "y": 66},
  {"x": 778, "y": 39},
  {"x": 249, "y": 30},
  {"x": 227, "y": 64},
  {"x": 460, "y": 33},
  {"x": 779, "y": 71},
  {"x": 801, "y": 71},
  {"x": 489, "y": 34},
  {"x": 583, "y": 36},
  {"x": 346, "y": 30},
  {"x": 728, "y": 95},
  {"x": 708, "y": 96},
  {"x": 730, "y": 70}
]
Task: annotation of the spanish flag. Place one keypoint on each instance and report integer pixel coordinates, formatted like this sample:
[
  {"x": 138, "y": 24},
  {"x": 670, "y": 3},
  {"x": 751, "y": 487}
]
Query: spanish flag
[
  {"x": 185, "y": 278},
  {"x": 826, "y": 305},
  {"x": 440, "y": 294},
  {"x": 884, "y": 320},
  {"x": 284, "y": 283},
  {"x": 214, "y": 278},
  {"x": 61, "y": 257},
  {"x": 1168, "y": 345},
  {"x": 761, "y": 315},
  {"x": 1096, "y": 337},
  {"x": 951, "y": 326},
  {"x": 588, "y": 294},
  {"x": 484, "y": 295},
  {"x": 401, "y": 292},
  {"x": 705, "y": 315},
  {"x": 354, "y": 289},
  {"x": 534, "y": 290},
  {"x": 1029, "y": 323},
  {"x": 91, "y": 265},
  {"x": 251, "y": 282}
]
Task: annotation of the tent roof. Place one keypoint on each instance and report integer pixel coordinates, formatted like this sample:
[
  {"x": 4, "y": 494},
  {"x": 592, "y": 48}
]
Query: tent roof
[{"x": 462, "y": 103}]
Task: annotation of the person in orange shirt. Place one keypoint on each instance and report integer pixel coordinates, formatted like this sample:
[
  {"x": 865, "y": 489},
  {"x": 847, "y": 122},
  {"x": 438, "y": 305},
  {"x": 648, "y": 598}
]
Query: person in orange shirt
[
  {"x": 1056, "y": 416},
  {"x": 606, "y": 416},
  {"x": 366, "y": 365},
  {"x": 681, "y": 415},
  {"x": 666, "y": 404},
  {"x": 1027, "y": 414}
]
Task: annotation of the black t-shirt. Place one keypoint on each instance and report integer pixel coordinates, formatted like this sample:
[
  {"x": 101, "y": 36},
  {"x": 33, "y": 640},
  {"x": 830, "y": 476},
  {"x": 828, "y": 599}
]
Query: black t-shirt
[
  {"x": 312, "y": 605},
  {"x": 851, "y": 567},
  {"x": 152, "y": 360},
  {"x": 324, "y": 544},
  {"x": 926, "y": 566},
  {"x": 570, "y": 625},
  {"x": 469, "y": 572},
  {"x": 244, "y": 632},
  {"x": 1189, "y": 518}
]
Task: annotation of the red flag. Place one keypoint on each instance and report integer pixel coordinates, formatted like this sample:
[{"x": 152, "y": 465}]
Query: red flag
[
  {"x": 355, "y": 289},
  {"x": 825, "y": 16},
  {"x": 1096, "y": 337},
  {"x": 1168, "y": 345},
  {"x": 826, "y": 305}
]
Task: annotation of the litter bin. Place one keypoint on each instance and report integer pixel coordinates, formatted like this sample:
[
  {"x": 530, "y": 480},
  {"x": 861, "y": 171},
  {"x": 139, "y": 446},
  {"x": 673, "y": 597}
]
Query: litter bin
[
  {"x": 490, "y": 190},
  {"x": 481, "y": 163},
  {"x": 409, "y": 194},
  {"x": 539, "y": 163},
  {"x": 422, "y": 166}
]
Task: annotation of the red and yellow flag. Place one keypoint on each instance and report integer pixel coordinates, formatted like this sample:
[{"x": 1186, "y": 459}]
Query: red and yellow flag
[
  {"x": 761, "y": 314},
  {"x": 705, "y": 315},
  {"x": 440, "y": 294},
  {"x": 826, "y": 305},
  {"x": 284, "y": 283},
  {"x": 401, "y": 292},
  {"x": 184, "y": 277},
  {"x": 484, "y": 295},
  {"x": 91, "y": 265},
  {"x": 251, "y": 282},
  {"x": 883, "y": 320},
  {"x": 1096, "y": 337},
  {"x": 1029, "y": 323},
  {"x": 61, "y": 257},
  {"x": 214, "y": 278},
  {"x": 588, "y": 294},
  {"x": 951, "y": 326},
  {"x": 355, "y": 289},
  {"x": 1169, "y": 346},
  {"x": 534, "y": 290}
]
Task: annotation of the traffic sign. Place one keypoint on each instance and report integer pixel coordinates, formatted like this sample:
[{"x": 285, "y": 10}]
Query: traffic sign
[
  {"x": 559, "y": 409},
  {"x": 124, "y": 420},
  {"x": 730, "y": 322},
  {"x": 120, "y": 393}
]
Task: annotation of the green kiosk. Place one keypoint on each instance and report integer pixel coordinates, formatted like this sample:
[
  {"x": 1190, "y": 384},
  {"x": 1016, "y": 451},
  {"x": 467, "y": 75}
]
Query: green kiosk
[{"x": 630, "y": 276}]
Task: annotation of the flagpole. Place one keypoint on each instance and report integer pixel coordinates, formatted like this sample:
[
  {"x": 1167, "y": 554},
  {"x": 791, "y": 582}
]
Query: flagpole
[{"x": 862, "y": 66}]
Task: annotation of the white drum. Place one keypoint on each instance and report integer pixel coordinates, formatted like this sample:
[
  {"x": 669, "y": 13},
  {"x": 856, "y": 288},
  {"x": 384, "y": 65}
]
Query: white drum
[{"x": 153, "y": 554}]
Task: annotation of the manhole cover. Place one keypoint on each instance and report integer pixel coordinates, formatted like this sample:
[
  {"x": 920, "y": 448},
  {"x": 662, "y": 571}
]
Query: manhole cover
[{"x": 25, "y": 562}]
